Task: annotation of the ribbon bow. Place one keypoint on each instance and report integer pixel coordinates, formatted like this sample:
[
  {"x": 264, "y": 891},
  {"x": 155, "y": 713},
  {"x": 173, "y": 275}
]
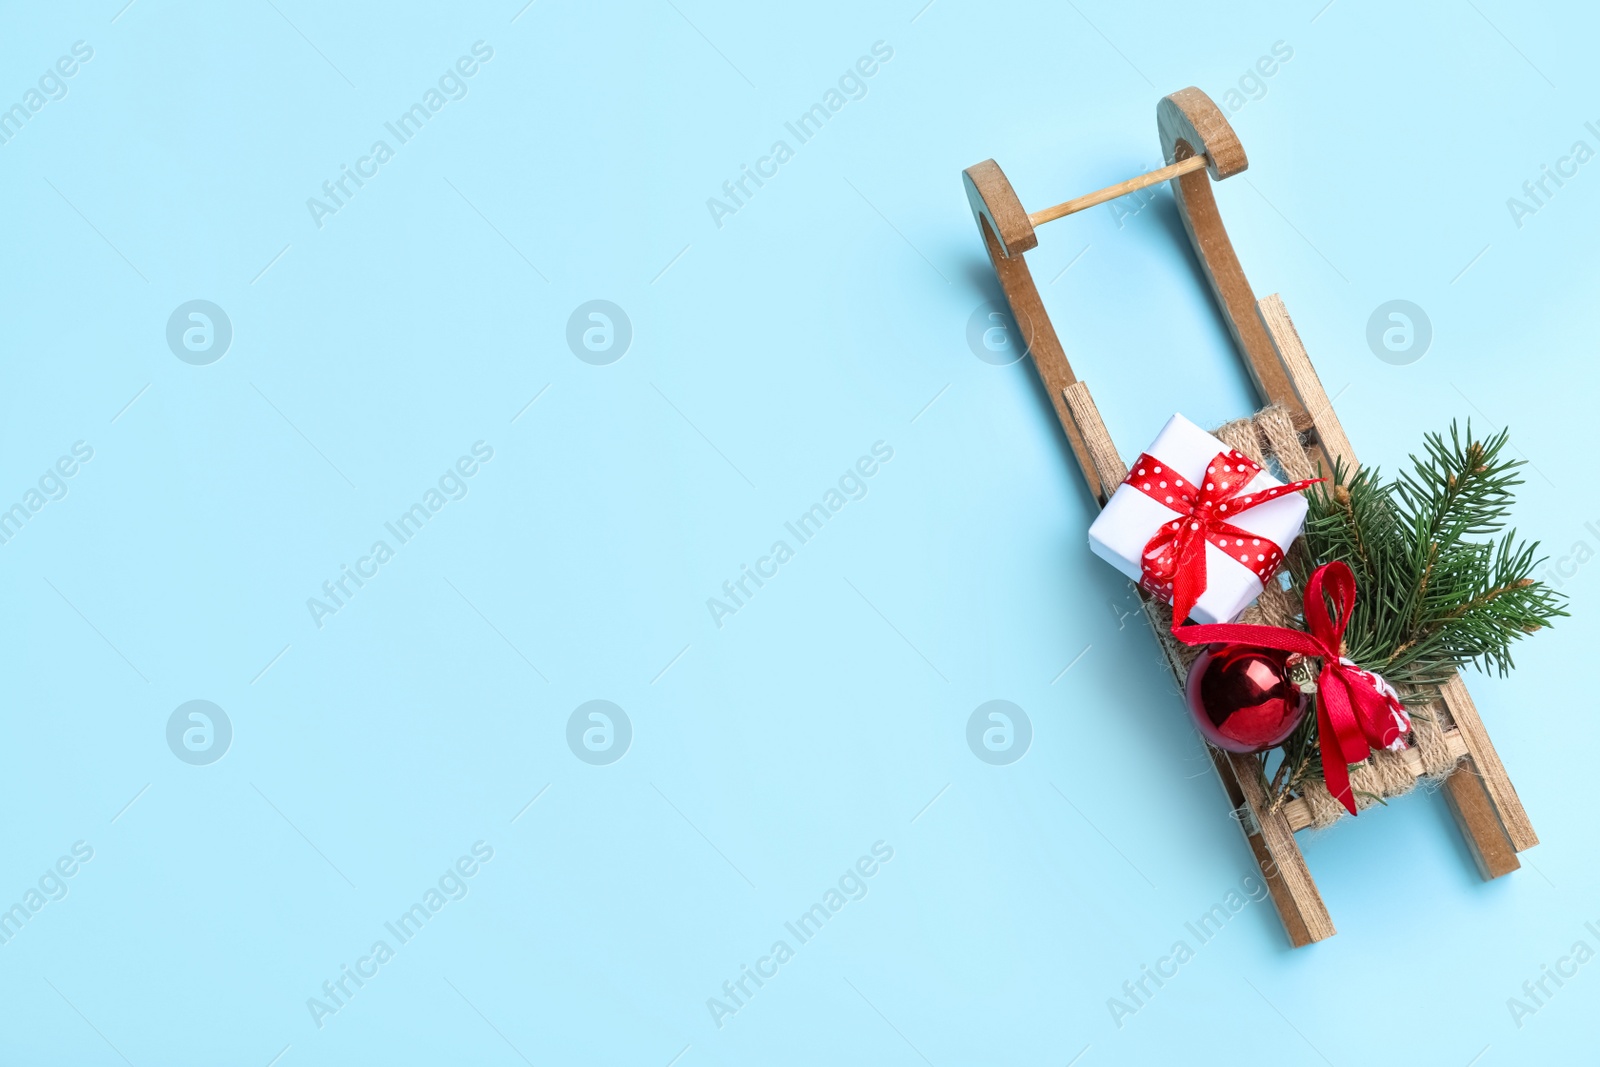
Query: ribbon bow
[
  {"x": 1356, "y": 709},
  {"x": 1174, "y": 562}
]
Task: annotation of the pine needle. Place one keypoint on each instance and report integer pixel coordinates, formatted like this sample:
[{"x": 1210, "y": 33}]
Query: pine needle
[{"x": 1439, "y": 586}]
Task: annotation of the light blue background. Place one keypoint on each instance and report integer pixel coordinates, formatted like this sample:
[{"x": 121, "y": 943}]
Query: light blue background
[{"x": 768, "y": 354}]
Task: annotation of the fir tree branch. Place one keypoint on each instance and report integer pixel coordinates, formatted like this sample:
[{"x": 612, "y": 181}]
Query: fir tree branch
[{"x": 1440, "y": 587}]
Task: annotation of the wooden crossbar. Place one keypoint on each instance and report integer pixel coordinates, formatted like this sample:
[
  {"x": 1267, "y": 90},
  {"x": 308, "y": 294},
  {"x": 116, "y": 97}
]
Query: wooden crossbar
[
  {"x": 1298, "y": 812},
  {"x": 1111, "y": 192}
]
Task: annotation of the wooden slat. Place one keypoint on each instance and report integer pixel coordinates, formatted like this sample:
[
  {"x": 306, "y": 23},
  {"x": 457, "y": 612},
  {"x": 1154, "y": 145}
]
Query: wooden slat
[
  {"x": 1480, "y": 795},
  {"x": 1300, "y": 908},
  {"x": 1289, "y": 909},
  {"x": 1152, "y": 614},
  {"x": 1487, "y": 763},
  {"x": 1474, "y": 812},
  {"x": 1092, "y": 430},
  {"x": 1303, "y": 379},
  {"x": 1304, "y": 915},
  {"x": 1294, "y": 894},
  {"x": 1298, "y": 812}
]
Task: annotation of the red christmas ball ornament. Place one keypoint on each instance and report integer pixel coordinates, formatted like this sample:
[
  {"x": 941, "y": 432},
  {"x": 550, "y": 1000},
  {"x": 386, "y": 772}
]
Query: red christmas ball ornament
[{"x": 1243, "y": 699}]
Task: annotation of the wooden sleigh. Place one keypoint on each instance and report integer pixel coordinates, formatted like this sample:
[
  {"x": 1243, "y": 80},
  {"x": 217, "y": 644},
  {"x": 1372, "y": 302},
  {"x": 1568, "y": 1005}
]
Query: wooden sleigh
[{"x": 1201, "y": 147}]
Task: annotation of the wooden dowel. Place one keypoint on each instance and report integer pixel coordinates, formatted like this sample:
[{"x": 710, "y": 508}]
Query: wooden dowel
[{"x": 1111, "y": 192}]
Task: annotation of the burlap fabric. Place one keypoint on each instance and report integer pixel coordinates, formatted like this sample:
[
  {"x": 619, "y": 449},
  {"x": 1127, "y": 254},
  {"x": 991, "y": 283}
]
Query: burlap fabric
[{"x": 1269, "y": 438}]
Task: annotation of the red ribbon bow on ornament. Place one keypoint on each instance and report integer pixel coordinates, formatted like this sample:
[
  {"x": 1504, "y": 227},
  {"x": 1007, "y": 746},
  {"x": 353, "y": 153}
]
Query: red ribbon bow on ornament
[
  {"x": 1356, "y": 710},
  {"x": 1174, "y": 562}
]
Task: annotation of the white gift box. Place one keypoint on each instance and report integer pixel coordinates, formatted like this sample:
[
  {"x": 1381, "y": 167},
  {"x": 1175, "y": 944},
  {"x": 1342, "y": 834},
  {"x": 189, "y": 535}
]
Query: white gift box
[{"x": 1130, "y": 518}]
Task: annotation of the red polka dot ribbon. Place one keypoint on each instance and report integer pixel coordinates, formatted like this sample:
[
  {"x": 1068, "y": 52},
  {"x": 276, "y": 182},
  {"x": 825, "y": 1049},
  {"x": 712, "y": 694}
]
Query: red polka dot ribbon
[{"x": 1174, "y": 561}]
